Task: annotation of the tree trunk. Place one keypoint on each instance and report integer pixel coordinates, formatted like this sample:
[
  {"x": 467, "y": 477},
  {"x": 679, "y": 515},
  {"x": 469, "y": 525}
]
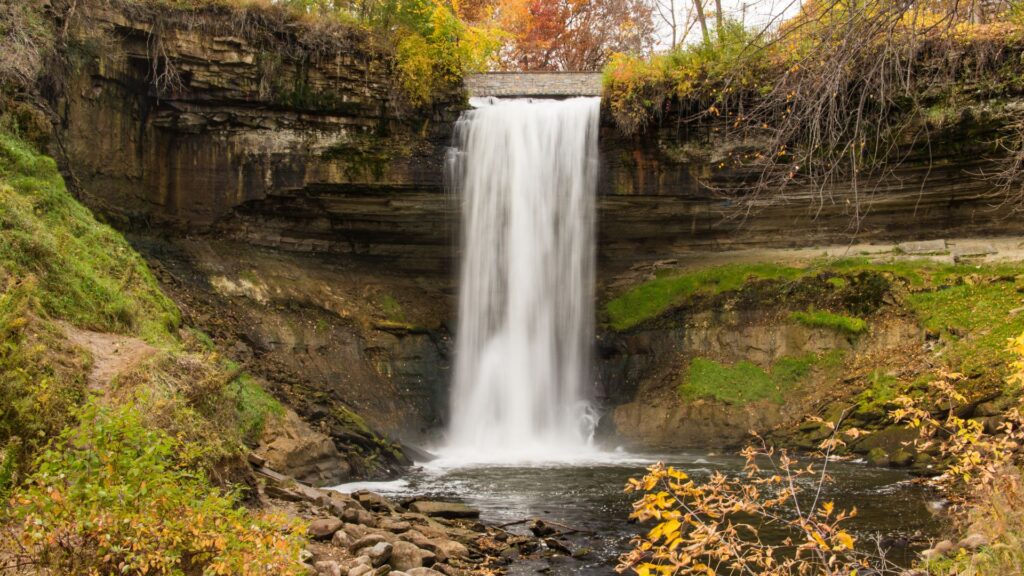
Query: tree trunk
[
  {"x": 699, "y": 5},
  {"x": 719, "y": 18}
]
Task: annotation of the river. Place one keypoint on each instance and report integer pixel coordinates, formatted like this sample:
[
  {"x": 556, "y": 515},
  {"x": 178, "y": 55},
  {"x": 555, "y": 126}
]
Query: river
[{"x": 588, "y": 496}]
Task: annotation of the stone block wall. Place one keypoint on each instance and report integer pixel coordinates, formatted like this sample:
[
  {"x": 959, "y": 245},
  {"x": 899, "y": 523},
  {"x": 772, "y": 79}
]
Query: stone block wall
[{"x": 534, "y": 84}]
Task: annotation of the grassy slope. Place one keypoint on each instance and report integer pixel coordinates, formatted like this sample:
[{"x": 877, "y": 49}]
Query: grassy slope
[{"x": 59, "y": 264}]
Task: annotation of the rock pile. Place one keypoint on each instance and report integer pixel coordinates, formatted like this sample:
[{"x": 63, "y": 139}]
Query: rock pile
[{"x": 366, "y": 534}]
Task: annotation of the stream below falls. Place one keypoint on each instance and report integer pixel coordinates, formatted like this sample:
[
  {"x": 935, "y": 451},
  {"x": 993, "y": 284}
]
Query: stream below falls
[{"x": 588, "y": 496}]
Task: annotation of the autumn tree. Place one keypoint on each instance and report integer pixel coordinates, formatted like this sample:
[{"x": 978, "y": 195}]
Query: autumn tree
[{"x": 578, "y": 35}]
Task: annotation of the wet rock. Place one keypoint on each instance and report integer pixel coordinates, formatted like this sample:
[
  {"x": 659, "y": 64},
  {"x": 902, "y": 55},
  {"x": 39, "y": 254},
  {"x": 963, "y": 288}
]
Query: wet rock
[
  {"x": 541, "y": 529},
  {"x": 324, "y": 528},
  {"x": 972, "y": 542},
  {"x": 443, "y": 509},
  {"x": 557, "y": 546},
  {"x": 379, "y": 553},
  {"x": 406, "y": 555},
  {"x": 328, "y": 568},
  {"x": 902, "y": 458}
]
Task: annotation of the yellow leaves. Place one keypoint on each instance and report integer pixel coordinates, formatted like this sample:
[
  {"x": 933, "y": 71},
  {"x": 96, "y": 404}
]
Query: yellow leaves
[{"x": 843, "y": 540}]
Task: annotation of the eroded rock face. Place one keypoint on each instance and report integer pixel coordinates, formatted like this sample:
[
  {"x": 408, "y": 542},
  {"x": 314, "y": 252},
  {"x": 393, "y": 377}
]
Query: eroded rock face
[
  {"x": 291, "y": 444},
  {"x": 642, "y": 369},
  {"x": 302, "y": 199}
]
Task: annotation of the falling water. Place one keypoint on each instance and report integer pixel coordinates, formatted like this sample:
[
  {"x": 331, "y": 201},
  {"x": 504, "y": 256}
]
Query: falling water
[{"x": 525, "y": 174}]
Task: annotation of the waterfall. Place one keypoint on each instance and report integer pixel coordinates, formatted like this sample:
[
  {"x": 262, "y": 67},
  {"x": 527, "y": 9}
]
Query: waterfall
[{"x": 525, "y": 174}]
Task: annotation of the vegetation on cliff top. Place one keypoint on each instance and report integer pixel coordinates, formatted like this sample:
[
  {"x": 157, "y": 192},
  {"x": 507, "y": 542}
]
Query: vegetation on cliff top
[
  {"x": 835, "y": 94},
  {"x": 123, "y": 475}
]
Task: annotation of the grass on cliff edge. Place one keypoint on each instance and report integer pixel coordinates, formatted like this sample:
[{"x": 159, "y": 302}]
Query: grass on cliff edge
[{"x": 673, "y": 288}]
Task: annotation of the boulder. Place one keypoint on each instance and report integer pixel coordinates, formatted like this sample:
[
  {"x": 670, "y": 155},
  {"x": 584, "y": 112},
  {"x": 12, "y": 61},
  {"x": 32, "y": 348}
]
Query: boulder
[
  {"x": 878, "y": 457},
  {"x": 291, "y": 446},
  {"x": 324, "y": 528},
  {"x": 379, "y": 553},
  {"x": 348, "y": 565},
  {"x": 341, "y": 539},
  {"x": 902, "y": 458},
  {"x": 406, "y": 555},
  {"x": 373, "y": 501},
  {"x": 354, "y": 516},
  {"x": 328, "y": 568},
  {"x": 365, "y": 542},
  {"x": 443, "y": 509},
  {"x": 392, "y": 525},
  {"x": 423, "y": 572},
  {"x": 449, "y": 549}
]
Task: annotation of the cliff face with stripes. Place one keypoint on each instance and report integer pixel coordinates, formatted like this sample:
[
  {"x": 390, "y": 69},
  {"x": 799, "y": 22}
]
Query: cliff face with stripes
[{"x": 297, "y": 209}]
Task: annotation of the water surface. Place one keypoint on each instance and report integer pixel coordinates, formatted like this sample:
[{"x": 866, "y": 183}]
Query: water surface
[{"x": 588, "y": 496}]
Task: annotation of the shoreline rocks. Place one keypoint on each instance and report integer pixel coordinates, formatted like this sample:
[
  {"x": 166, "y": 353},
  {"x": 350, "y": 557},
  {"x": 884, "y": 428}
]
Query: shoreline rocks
[{"x": 366, "y": 534}]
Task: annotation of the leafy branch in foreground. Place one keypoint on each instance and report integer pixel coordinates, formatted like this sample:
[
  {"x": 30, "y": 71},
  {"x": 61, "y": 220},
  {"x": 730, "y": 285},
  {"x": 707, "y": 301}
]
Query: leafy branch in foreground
[{"x": 715, "y": 527}]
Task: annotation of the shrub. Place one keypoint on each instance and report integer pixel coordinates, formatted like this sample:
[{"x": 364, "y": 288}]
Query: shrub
[{"x": 105, "y": 499}]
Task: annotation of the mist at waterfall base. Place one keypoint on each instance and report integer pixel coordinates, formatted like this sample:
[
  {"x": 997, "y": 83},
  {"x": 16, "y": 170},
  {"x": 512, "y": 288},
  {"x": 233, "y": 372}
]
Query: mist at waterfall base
[
  {"x": 519, "y": 444},
  {"x": 525, "y": 175}
]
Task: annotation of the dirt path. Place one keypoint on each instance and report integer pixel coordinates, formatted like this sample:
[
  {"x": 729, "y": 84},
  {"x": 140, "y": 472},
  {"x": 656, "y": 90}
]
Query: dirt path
[{"x": 112, "y": 354}]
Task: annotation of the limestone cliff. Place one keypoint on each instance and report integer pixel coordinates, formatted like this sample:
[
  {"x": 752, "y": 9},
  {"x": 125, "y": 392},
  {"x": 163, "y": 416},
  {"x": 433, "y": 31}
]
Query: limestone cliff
[{"x": 294, "y": 205}]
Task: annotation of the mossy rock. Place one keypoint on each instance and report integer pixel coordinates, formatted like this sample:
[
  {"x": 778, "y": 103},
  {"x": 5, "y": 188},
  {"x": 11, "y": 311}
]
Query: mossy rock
[
  {"x": 889, "y": 439},
  {"x": 902, "y": 458},
  {"x": 878, "y": 457}
]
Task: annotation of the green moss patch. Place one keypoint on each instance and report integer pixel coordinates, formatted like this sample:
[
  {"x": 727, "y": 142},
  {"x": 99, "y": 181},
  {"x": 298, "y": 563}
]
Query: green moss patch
[
  {"x": 823, "y": 319},
  {"x": 745, "y": 382}
]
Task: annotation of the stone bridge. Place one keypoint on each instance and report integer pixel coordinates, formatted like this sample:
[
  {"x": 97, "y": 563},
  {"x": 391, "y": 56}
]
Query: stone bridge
[{"x": 534, "y": 84}]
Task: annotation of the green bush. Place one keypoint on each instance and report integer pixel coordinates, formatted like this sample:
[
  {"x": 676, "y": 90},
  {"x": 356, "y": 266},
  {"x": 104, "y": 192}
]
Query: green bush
[{"x": 105, "y": 499}]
